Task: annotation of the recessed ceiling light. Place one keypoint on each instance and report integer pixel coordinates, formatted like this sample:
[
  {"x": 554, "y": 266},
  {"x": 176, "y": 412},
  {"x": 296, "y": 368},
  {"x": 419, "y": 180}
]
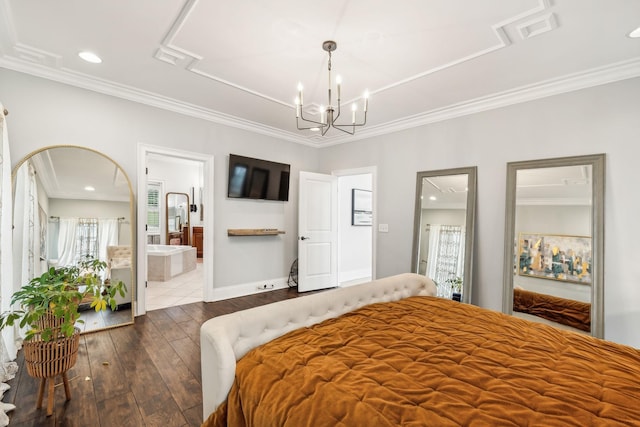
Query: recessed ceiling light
[
  {"x": 635, "y": 33},
  {"x": 90, "y": 57},
  {"x": 432, "y": 198},
  {"x": 89, "y": 188}
]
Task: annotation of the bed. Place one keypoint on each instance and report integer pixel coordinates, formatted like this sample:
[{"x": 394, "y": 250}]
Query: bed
[
  {"x": 575, "y": 314},
  {"x": 389, "y": 353}
]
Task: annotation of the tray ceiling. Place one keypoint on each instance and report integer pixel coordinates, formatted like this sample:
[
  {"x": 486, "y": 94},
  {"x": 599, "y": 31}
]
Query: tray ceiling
[{"x": 239, "y": 62}]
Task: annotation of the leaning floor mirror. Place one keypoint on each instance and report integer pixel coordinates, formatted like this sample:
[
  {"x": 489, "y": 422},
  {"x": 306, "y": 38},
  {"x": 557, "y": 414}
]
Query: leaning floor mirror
[
  {"x": 73, "y": 203},
  {"x": 554, "y": 245},
  {"x": 444, "y": 229}
]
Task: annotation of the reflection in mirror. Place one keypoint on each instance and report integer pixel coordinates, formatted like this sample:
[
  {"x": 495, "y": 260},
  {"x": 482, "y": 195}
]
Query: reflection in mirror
[
  {"x": 70, "y": 202},
  {"x": 177, "y": 219},
  {"x": 553, "y": 248},
  {"x": 443, "y": 230}
]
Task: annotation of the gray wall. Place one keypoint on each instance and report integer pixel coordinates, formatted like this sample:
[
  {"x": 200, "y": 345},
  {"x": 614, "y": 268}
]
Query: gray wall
[
  {"x": 437, "y": 216},
  {"x": 44, "y": 113},
  {"x": 602, "y": 119},
  {"x": 72, "y": 208}
]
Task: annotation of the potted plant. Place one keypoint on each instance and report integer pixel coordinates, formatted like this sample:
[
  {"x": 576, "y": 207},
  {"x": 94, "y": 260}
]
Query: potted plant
[
  {"x": 456, "y": 287},
  {"x": 50, "y": 303},
  {"x": 49, "y": 308}
]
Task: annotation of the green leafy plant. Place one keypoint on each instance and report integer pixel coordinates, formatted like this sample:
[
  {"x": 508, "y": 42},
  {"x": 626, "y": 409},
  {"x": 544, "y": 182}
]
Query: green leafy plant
[
  {"x": 455, "y": 283},
  {"x": 50, "y": 303}
]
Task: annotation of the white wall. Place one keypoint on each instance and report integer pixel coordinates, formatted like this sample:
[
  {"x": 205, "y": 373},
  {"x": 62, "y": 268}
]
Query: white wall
[
  {"x": 355, "y": 242},
  {"x": 44, "y": 113},
  {"x": 602, "y": 119}
]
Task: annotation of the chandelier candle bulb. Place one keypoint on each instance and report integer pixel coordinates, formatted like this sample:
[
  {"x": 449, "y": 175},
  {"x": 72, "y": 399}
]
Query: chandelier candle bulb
[
  {"x": 300, "y": 93},
  {"x": 330, "y": 114}
]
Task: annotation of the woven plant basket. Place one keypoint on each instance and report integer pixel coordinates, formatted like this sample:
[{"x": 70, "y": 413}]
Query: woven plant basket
[
  {"x": 46, "y": 359},
  {"x": 48, "y": 320}
]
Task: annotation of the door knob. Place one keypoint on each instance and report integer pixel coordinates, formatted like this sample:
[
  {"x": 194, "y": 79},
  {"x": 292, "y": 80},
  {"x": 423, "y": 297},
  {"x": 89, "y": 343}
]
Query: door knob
[{"x": 304, "y": 238}]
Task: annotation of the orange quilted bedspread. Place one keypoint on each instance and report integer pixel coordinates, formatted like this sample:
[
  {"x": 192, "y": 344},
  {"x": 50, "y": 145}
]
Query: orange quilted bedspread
[
  {"x": 561, "y": 310},
  {"x": 425, "y": 361}
]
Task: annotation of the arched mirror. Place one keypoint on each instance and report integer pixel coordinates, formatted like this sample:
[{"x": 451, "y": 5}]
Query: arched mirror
[
  {"x": 443, "y": 230},
  {"x": 178, "y": 219},
  {"x": 70, "y": 202},
  {"x": 554, "y": 246}
]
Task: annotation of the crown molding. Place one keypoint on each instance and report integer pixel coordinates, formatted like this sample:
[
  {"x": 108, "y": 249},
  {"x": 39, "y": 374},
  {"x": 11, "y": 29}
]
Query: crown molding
[
  {"x": 572, "y": 82},
  {"x": 130, "y": 93},
  {"x": 594, "y": 77}
]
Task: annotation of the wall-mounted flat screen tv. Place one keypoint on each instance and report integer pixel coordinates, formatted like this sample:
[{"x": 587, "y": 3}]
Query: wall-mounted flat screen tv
[{"x": 251, "y": 178}]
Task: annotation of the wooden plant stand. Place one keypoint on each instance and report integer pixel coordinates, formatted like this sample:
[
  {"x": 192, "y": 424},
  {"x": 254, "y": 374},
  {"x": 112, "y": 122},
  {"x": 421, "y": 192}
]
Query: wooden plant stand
[{"x": 48, "y": 359}]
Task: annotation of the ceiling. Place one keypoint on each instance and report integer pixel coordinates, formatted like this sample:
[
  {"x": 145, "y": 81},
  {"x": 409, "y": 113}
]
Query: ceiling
[
  {"x": 71, "y": 172},
  {"x": 444, "y": 192},
  {"x": 238, "y": 62},
  {"x": 564, "y": 185}
]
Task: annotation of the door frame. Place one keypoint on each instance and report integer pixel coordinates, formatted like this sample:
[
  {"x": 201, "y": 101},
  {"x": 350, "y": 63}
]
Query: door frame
[
  {"x": 207, "y": 171},
  {"x": 373, "y": 171}
]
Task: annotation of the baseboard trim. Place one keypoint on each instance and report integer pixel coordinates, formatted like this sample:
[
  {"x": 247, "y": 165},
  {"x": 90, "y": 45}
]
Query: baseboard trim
[{"x": 244, "y": 289}]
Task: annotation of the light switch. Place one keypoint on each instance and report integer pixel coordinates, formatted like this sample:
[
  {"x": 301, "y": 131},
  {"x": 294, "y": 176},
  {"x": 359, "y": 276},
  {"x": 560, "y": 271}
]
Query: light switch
[{"x": 383, "y": 228}]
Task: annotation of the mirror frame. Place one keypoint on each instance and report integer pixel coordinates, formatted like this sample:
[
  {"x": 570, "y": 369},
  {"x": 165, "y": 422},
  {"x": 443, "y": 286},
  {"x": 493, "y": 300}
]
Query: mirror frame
[
  {"x": 166, "y": 217},
  {"x": 471, "y": 173},
  {"x": 597, "y": 163},
  {"x": 132, "y": 206}
]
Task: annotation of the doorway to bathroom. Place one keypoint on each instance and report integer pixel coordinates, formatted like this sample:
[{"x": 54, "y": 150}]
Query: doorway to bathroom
[{"x": 175, "y": 249}]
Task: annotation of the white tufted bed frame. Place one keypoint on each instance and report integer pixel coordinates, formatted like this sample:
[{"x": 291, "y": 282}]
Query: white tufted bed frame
[{"x": 226, "y": 339}]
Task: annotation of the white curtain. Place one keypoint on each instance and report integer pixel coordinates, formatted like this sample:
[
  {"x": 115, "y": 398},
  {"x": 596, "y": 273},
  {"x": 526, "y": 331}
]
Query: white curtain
[
  {"x": 107, "y": 236},
  {"x": 67, "y": 241},
  {"x": 26, "y": 231},
  {"x": 8, "y": 348},
  {"x": 432, "y": 260},
  {"x": 445, "y": 259}
]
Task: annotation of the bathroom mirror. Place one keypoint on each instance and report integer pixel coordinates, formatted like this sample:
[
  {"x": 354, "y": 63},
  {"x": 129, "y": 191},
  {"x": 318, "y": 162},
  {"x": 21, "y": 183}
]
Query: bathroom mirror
[
  {"x": 70, "y": 202},
  {"x": 177, "y": 219},
  {"x": 554, "y": 246},
  {"x": 444, "y": 228}
]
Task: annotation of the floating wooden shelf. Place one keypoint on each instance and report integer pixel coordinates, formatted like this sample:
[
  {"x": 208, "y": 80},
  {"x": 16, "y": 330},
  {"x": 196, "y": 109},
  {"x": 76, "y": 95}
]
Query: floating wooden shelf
[{"x": 253, "y": 232}]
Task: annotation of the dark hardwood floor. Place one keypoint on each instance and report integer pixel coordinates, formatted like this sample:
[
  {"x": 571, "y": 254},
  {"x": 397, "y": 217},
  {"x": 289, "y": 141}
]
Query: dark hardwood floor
[{"x": 146, "y": 374}]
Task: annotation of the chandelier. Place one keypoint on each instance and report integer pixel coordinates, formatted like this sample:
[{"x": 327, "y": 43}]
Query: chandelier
[{"x": 329, "y": 115}]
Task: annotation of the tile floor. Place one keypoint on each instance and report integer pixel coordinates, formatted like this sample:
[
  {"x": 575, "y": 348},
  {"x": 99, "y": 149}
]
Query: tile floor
[{"x": 183, "y": 289}]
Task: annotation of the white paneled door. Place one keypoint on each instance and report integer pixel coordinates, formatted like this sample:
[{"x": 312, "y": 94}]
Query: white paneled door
[{"x": 317, "y": 232}]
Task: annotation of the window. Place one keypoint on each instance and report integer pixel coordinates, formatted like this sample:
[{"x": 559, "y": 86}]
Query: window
[
  {"x": 154, "y": 189},
  {"x": 86, "y": 239}
]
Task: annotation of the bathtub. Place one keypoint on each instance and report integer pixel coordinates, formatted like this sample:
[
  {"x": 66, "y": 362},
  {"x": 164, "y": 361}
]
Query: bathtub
[{"x": 165, "y": 262}]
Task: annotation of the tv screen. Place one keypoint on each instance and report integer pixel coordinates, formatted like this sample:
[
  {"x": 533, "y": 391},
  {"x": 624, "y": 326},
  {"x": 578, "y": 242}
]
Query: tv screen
[{"x": 251, "y": 178}]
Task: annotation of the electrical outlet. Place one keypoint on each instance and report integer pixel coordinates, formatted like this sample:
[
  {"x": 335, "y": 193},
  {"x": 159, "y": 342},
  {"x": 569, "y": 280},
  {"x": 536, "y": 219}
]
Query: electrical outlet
[{"x": 266, "y": 286}]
